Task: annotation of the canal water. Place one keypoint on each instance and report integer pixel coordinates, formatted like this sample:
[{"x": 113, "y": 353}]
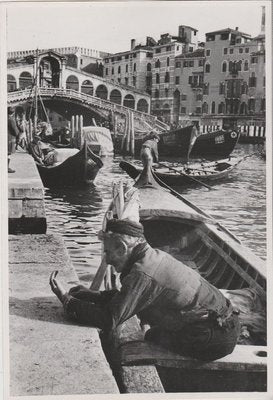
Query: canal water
[{"x": 238, "y": 202}]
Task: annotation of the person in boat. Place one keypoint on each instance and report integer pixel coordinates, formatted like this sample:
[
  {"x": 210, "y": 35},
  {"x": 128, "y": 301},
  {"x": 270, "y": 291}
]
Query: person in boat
[
  {"x": 149, "y": 147},
  {"x": 13, "y": 135},
  {"x": 42, "y": 153},
  {"x": 186, "y": 314}
]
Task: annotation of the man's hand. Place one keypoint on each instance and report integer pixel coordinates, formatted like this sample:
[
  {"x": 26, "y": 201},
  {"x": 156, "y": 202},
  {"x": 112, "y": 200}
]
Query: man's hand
[{"x": 56, "y": 286}]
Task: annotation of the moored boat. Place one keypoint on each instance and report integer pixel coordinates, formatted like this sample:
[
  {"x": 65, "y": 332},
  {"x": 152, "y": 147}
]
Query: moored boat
[
  {"x": 73, "y": 168},
  {"x": 177, "y": 174},
  {"x": 173, "y": 224}
]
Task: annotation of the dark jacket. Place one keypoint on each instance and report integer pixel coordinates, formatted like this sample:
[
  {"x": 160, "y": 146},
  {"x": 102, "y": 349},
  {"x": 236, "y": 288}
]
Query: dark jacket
[
  {"x": 12, "y": 127},
  {"x": 160, "y": 289}
]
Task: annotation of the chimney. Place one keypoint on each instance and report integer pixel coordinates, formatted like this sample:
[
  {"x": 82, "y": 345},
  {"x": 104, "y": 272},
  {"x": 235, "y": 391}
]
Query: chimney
[
  {"x": 263, "y": 20},
  {"x": 236, "y": 29},
  {"x": 133, "y": 44}
]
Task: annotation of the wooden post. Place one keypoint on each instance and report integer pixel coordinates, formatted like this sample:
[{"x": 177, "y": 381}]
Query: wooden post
[
  {"x": 30, "y": 130},
  {"x": 125, "y": 133},
  {"x": 128, "y": 133},
  {"x": 72, "y": 127},
  {"x": 77, "y": 131},
  {"x": 80, "y": 130},
  {"x": 132, "y": 134}
]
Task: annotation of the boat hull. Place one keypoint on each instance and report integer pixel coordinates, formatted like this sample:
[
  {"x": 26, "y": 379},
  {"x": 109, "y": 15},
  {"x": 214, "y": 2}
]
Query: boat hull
[
  {"x": 218, "y": 144},
  {"x": 78, "y": 170}
]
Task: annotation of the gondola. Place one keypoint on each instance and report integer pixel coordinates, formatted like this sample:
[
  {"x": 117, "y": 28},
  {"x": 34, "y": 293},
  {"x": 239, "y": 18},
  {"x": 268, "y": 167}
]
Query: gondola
[
  {"x": 77, "y": 168},
  {"x": 177, "y": 226},
  {"x": 215, "y": 145},
  {"x": 177, "y": 174}
]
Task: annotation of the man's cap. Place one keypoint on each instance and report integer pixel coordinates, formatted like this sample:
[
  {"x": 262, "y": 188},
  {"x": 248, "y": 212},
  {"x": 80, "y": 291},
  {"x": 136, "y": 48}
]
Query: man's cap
[
  {"x": 125, "y": 227},
  {"x": 11, "y": 110}
]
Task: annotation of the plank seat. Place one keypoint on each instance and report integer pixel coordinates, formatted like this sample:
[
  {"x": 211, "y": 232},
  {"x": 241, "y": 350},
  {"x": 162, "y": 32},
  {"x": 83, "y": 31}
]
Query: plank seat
[{"x": 243, "y": 358}]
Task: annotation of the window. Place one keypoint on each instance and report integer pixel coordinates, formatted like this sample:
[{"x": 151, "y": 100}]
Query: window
[
  {"x": 191, "y": 63},
  {"x": 126, "y": 81},
  {"x": 238, "y": 40},
  {"x": 264, "y": 81},
  {"x": 113, "y": 71},
  {"x": 210, "y": 38},
  {"x": 149, "y": 67},
  {"x": 166, "y": 92},
  {"x": 190, "y": 49},
  {"x": 177, "y": 64},
  {"x": 244, "y": 88},
  {"x": 246, "y": 66},
  {"x": 183, "y": 97},
  {"x": 157, "y": 78},
  {"x": 199, "y": 96},
  {"x": 201, "y": 63},
  {"x": 222, "y": 88},
  {"x": 231, "y": 51},
  {"x": 156, "y": 93},
  {"x": 126, "y": 68},
  {"x": 106, "y": 60},
  {"x": 251, "y": 105},
  {"x": 205, "y": 108},
  {"x": 167, "y": 77},
  {"x": 190, "y": 79},
  {"x": 134, "y": 67},
  {"x": 185, "y": 63},
  {"x": 157, "y": 63},
  {"x": 168, "y": 48},
  {"x": 177, "y": 47},
  {"x": 127, "y": 56},
  {"x": 263, "y": 104},
  {"x": 208, "y": 52},
  {"x": 134, "y": 55},
  {"x": 119, "y": 58},
  {"x": 224, "y": 67},
  {"x": 213, "y": 107},
  {"x": 239, "y": 65},
  {"x": 254, "y": 60},
  {"x": 207, "y": 68},
  {"x": 119, "y": 80},
  {"x": 158, "y": 50},
  {"x": 81, "y": 63},
  {"x": 241, "y": 50},
  {"x": 198, "y": 110},
  {"x": 206, "y": 88},
  {"x": 230, "y": 66},
  {"x": 168, "y": 62},
  {"x": 224, "y": 36},
  {"x": 106, "y": 71},
  {"x": 119, "y": 70},
  {"x": 134, "y": 81},
  {"x": 183, "y": 110},
  {"x": 113, "y": 59},
  {"x": 247, "y": 50},
  {"x": 225, "y": 50},
  {"x": 252, "y": 80},
  {"x": 177, "y": 80}
]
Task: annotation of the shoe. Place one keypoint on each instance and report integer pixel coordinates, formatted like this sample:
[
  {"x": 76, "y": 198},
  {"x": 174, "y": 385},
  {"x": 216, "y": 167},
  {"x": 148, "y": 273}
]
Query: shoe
[{"x": 10, "y": 171}]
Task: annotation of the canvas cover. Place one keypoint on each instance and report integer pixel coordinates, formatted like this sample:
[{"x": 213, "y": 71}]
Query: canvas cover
[{"x": 98, "y": 135}]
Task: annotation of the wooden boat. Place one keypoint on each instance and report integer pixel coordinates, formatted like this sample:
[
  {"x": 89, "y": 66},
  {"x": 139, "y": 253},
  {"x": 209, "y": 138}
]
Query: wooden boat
[
  {"x": 175, "y": 225},
  {"x": 75, "y": 168},
  {"x": 172, "y": 143},
  {"x": 215, "y": 145},
  {"x": 177, "y": 174}
]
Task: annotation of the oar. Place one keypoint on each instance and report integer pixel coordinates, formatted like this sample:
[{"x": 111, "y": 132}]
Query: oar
[
  {"x": 179, "y": 196},
  {"x": 98, "y": 278},
  {"x": 186, "y": 175}
]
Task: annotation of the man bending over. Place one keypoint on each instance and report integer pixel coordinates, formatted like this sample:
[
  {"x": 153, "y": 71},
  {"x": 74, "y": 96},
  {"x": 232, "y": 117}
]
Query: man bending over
[{"x": 187, "y": 314}]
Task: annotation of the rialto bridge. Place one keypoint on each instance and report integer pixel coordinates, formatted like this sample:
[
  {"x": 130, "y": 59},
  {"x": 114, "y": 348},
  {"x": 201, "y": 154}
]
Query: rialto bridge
[{"x": 69, "y": 91}]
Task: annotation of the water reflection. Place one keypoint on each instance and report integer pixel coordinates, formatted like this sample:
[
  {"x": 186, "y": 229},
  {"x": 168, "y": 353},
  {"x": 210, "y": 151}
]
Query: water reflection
[{"x": 238, "y": 202}]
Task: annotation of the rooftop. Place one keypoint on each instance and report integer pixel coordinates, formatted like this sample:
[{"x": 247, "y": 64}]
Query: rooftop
[{"x": 229, "y": 30}]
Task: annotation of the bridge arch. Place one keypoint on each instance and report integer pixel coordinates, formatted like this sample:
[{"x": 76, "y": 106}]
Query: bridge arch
[
  {"x": 72, "y": 82},
  {"x": 129, "y": 101},
  {"x": 102, "y": 92},
  {"x": 115, "y": 96},
  {"x": 142, "y": 105},
  {"x": 11, "y": 81},
  {"x": 25, "y": 80},
  {"x": 87, "y": 87}
]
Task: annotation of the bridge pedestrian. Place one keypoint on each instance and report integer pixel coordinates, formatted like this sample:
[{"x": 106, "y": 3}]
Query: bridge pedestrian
[{"x": 13, "y": 135}]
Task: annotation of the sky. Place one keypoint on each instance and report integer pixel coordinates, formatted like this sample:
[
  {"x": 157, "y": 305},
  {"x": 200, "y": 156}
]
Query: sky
[{"x": 109, "y": 26}]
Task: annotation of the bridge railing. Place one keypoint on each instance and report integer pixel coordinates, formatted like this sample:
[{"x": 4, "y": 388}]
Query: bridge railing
[{"x": 89, "y": 99}]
